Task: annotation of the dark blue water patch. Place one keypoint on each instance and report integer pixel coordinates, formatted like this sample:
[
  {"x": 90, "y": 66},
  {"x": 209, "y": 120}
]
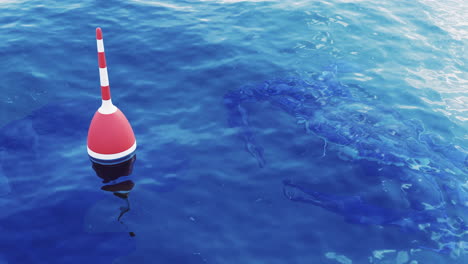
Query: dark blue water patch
[
  {"x": 166, "y": 253},
  {"x": 38, "y": 151},
  {"x": 43, "y": 129},
  {"x": 64, "y": 118},
  {"x": 163, "y": 169},
  {"x": 4, "y": 183},
  {"x": 56, "y": 234},
  {"x": 35, "y": 147}
]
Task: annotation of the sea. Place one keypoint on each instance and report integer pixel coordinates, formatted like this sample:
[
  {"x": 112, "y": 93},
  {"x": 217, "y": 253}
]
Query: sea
[{"x": 268, "y": 132}]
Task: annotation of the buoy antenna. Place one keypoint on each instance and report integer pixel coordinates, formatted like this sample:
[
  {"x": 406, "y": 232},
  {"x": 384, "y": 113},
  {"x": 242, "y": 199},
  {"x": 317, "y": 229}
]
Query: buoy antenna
[{"x": 105, "y": 89}]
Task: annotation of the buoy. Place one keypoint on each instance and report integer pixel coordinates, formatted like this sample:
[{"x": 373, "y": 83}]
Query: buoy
[{"x": 110, "y": 136}]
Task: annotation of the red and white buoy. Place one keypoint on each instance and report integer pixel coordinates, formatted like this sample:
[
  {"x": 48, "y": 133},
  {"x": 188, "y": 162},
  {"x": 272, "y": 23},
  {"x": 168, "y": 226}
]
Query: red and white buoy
[{"x": 110, "y": 136}]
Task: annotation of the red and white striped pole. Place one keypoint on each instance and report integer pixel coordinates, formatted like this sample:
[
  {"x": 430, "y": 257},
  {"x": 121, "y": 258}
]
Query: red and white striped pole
[
  {"x": 105, "y": 89},
  {"x": 110, "y": 137}
]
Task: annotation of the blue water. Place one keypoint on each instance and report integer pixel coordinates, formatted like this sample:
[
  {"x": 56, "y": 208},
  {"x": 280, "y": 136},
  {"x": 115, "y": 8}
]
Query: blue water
[{"x": 260, "y": 125}]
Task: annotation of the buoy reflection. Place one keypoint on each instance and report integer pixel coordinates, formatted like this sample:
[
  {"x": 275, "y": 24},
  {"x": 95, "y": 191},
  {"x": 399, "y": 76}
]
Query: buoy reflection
[{"x": 112, "y": 178}]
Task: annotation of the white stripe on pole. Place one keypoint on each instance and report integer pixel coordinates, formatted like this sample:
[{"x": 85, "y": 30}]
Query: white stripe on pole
[
  {"x": 103, "y": 76},
  {"x": 100, "y": 45}
]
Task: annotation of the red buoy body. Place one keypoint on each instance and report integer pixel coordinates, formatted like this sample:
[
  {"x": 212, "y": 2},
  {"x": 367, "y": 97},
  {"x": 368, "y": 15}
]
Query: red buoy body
[{"x": 110, "y": 136}]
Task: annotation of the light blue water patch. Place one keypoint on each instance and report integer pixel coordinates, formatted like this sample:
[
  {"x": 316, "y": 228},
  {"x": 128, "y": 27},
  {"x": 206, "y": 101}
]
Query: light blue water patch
[{"x": 429, "y": 168}]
